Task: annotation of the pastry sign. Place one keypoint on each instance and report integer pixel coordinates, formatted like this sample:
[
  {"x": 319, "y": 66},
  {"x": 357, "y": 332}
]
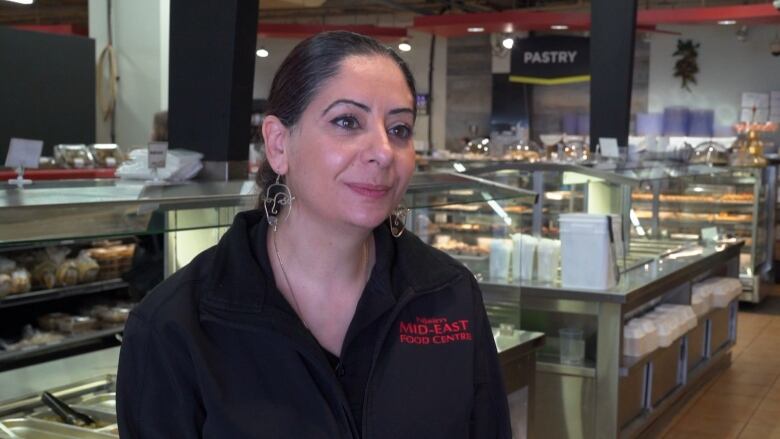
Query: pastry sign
[
  {"x": 550, "y": 56},
  {"x": 550, "y": 60}
]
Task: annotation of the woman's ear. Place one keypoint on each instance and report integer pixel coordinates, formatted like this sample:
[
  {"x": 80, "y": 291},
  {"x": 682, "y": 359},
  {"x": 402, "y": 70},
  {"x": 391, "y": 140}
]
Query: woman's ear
[{"x": 276, "y": 135}]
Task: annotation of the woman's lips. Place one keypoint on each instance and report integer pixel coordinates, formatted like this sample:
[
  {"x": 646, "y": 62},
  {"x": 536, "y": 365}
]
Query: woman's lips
[{"x": 369, "y": 190}]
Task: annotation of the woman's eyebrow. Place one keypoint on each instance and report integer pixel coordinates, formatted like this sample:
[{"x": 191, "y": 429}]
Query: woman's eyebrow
[
  {"x": 401, "y": 110},
  {"x": 360, "y": 105}
]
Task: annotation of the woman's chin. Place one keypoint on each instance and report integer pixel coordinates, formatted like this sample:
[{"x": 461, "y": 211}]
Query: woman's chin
[{"x": 367, "y": 220}]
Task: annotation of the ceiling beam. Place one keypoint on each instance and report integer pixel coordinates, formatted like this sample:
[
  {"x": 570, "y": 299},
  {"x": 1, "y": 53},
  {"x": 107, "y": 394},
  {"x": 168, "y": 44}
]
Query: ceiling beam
[{"x": 402, "y": 7}]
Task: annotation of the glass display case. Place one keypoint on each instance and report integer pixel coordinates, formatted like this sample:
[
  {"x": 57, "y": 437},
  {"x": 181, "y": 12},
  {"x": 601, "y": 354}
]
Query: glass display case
[
  {"x": 54, "y": 234},
  {"x": 586, "y": 386},
  {"x": 655, "y": 200},
  {"x": 107, "y": 220},
  {"x": 739, "y": 203},
  {"x": 188, "y": 218}
]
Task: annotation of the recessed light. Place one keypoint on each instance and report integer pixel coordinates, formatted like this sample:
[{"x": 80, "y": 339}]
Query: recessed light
[
  {"x": 476, "y": 29},
  {"x": 559, "y": 27},
  {"x": 508, "y": 42},
  {"x": 262, "y": 52},
  {"x": 404, "y": 46},
  {"x": 727, "y": 22}
]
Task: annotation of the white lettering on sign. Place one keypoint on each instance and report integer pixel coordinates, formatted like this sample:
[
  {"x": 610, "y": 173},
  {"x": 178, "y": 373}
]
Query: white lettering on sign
[{"x": 550, "y": 56}]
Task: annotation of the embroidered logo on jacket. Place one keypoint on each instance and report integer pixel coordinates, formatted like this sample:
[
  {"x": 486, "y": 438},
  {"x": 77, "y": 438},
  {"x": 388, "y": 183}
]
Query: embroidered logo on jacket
[{"x": 434, "y": 330}]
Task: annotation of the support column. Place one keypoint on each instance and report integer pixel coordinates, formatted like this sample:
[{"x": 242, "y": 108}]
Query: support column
[
  {"x": 212, "y": 67},
  {"x": 613, "y": 27}
]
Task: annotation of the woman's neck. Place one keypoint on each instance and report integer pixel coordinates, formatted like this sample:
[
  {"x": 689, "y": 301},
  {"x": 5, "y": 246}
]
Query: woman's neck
[{"x": 321, "y": 251}]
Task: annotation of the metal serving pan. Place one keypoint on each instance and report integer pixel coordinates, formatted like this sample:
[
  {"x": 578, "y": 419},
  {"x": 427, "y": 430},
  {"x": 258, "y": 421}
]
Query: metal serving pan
[{"x": 30, "y": 428}]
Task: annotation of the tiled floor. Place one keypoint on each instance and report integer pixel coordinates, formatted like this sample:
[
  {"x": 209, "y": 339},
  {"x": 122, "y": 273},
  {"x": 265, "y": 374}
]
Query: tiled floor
[{"x": 743, "y": 402}]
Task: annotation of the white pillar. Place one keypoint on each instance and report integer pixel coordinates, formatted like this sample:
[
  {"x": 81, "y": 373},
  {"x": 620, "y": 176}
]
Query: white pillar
[{"x": 140, "y": 36}]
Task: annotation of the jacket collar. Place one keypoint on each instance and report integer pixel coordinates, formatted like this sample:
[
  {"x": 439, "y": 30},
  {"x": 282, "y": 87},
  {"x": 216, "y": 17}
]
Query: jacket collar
[{"x": 238, "y": 282}]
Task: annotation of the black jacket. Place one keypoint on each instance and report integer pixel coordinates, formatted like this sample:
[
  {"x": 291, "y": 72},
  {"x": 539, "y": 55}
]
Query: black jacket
[{"x": 203, "y": 357}]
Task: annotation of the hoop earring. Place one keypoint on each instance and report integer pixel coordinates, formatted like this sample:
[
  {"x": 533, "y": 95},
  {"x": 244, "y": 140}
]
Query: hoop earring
[
  {"x": 273, "y": 203},
  {"x": 397, "y": 221}
]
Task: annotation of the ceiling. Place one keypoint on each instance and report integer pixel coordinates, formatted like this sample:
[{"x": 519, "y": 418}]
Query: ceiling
[{"x": 74, "y": 12}]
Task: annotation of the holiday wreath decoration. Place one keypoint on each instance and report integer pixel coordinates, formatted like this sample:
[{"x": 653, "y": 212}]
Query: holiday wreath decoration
[{"x": 687, "y": 66}]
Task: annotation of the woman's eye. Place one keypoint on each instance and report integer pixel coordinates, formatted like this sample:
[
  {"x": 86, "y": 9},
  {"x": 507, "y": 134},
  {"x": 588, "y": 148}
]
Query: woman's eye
[
  {"x": 346, "y": 122},
  {"x": 401, "y": 131}
]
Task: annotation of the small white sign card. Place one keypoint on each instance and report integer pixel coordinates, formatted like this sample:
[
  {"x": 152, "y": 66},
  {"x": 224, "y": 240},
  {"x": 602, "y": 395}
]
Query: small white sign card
[
  {"x": 24, "y": 153},
  {"x": 609, "y": 147},
  {"x": 158, "y": 152},
  {"x": 709, "y": 234}
]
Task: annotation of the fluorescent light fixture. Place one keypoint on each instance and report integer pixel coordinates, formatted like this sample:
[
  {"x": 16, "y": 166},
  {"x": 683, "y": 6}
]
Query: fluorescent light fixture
[
  {"x": 262, "y": 52},
  {"x": 727, "y": 22},
  {"x": 497, "y": 208},
  {"x": 508, "y": 43},
  {"x": 559, "y": 27},
  {"x": 404, "y": 46},
  {"x": 22, "y": 2},
  {"x": 635, "y": 222},
  {"x": 476, "y": 29}
]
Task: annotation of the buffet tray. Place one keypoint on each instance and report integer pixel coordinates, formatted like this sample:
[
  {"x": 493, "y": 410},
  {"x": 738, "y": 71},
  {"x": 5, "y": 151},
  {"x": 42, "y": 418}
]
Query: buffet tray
[{"x": 30, "y": 428}]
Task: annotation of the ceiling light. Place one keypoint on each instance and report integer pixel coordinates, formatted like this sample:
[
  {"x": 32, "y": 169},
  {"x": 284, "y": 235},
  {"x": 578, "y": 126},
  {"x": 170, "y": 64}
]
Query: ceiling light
[
  {"x": 476, "y": 29},
  {"x": 262, "y": 52},
  {"x": 508, "y": 42},
  {"x": 727, "y": 22},
  {"x": 404, "y": 46},
  {"x": 22, "y": 2},
  {"x": 559, "y": 27}
]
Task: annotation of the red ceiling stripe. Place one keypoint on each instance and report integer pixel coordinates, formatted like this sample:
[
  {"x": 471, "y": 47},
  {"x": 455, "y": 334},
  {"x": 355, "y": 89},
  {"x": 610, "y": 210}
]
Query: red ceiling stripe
[{"x": 521, "y": 20}]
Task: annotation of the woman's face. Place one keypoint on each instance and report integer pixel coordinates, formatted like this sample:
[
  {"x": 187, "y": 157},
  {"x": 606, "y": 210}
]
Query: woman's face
[{"x": 351, "y": 155}]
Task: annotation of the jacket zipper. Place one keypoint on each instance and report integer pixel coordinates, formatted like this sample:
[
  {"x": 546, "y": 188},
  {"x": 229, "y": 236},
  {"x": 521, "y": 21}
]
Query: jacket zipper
[{"x": 406, "y": 298}]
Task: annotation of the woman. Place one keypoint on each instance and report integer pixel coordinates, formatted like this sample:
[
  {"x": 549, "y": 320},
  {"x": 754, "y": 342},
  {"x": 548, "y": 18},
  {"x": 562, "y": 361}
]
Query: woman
[{"x": 316, "y": 317}]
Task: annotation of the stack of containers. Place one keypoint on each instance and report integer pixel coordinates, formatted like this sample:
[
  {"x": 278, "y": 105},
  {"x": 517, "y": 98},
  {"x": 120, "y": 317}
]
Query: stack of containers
[
  {"x": 715, "y": 292},
  {"x": 640, "y": 337},
  {"x": 658, "y": 328}
]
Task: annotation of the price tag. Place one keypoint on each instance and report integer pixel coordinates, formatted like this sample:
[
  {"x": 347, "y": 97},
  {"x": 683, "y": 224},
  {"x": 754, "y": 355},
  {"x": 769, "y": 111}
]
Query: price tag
[
  {"x": 609, "y": 147},
  {"x": 709, "y": 234},
  {"x": 158, "y": 152},
  {"x": 24, "y": 152}
]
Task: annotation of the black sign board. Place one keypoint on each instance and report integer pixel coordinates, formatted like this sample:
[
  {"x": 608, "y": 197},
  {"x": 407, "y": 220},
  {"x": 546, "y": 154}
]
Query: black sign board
[{"x": 551, "y": 60}]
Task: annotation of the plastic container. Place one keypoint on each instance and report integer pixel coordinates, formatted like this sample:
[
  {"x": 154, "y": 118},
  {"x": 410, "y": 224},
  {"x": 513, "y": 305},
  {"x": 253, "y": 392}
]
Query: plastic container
[
  {"x": 523, "y": 256},
  {"x": 634, "y": 344},
  {"x": 549, "y": 259},
  {"x": 701, "y": 303},
  {"x": 684, "y": 315},
  {"x": 666, "y": 326},
  {"x": 500, "y": 253},
  {"x": 587, "y": 254},
  {"x": 651, "y": 333},
  {"x": 724, "y": 290},
  {"x": 572, "y": 346}
]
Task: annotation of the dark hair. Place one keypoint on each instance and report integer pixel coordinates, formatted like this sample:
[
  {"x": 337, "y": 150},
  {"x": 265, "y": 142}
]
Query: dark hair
[{"x": 307, "y": 68}]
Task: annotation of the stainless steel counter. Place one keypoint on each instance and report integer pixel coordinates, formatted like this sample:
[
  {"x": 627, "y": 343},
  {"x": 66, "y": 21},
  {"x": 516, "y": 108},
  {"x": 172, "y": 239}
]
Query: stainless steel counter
[
  {"x": 638, "y": 284},
  {"x": 609, "y": 395}
]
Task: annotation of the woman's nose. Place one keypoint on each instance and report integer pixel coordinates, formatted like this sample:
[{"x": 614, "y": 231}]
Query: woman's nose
[{"x": 380, "y": 150}]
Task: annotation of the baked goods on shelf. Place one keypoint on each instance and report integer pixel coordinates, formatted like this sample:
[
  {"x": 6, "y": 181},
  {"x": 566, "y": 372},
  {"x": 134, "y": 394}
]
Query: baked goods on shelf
[
  {"x": 68, "y": 273},
  {"x": 460, "y": 248},
  {"x": 463, "y": 227},
  {"x": 5, "y": 285},
  {"x": 20, "y": 281},
  {"x": 746, "y": 198},
  {"x": 727, "y": 217}
]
